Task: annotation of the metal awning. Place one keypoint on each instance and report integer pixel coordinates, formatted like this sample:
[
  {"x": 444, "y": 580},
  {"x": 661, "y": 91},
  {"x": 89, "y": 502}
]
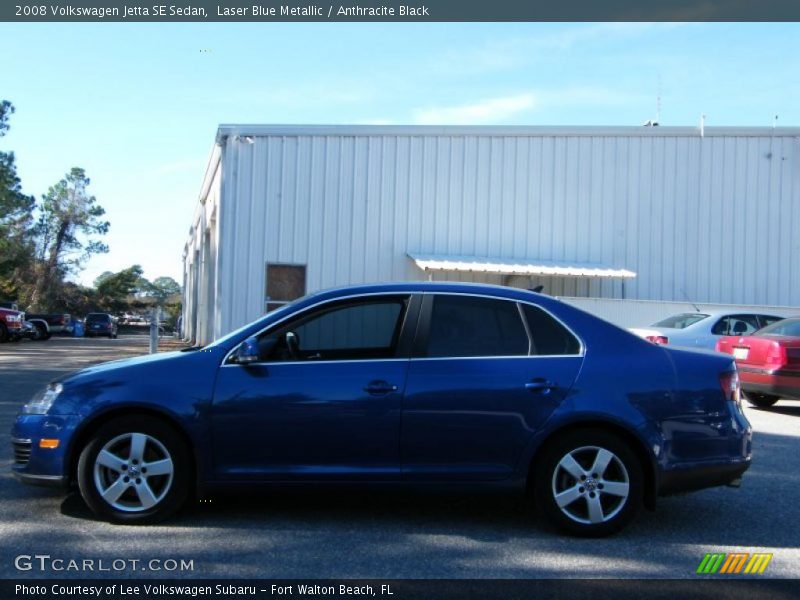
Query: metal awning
[{"x": 515, "y": 266}]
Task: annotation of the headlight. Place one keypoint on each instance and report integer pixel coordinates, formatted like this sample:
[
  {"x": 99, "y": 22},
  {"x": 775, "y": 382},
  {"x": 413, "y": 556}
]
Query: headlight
[{"x": 42, "y": 401}]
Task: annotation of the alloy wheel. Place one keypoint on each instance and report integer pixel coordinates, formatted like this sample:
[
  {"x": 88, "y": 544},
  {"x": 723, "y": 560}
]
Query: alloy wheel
[
  {"x": 133, "y": 472},
  {"x": 590, "y": 485}
]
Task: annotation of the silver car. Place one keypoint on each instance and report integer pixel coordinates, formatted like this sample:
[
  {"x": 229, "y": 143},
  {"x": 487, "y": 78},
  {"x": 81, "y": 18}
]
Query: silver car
[{"x": 703, "y": 329}]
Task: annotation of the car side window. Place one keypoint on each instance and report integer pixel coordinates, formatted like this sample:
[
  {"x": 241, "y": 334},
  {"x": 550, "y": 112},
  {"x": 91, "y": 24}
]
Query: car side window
[
  {"x": 548, "y": 336},
  {"x": 354, "y": 330},
  {"x": 736, "y": 325},
  {"x": 463, "y": 326}
]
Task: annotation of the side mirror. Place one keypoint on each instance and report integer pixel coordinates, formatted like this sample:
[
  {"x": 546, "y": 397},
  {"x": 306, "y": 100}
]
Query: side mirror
[{"x": 248, "y": 351}]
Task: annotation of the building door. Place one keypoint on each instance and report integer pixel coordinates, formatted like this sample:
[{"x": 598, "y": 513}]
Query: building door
[{"x": 284, "y": 283}]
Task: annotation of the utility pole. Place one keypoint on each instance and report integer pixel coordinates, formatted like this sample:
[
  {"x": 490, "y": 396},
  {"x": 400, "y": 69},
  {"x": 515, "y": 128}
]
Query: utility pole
[{"x": 154, "y": 315}]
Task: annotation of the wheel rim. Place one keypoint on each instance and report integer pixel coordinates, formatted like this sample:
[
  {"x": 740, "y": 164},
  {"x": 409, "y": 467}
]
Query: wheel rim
[
  {"x": 590, "y": 485},
  {"x": 133, "y": 472}
]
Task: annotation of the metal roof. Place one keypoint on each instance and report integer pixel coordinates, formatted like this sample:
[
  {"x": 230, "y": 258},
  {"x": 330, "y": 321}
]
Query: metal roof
[
  {"x": 513, "y": 266},
  {"x": 245, "y": 130}
]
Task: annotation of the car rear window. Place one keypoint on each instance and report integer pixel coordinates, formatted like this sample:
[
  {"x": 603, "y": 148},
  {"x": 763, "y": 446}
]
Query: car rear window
[
  {"x": 97, "y": 318},
  {"x": 789, "y": 327},
  {"x": 473, "y": 326},
  {"x": 681, "y": 321}
]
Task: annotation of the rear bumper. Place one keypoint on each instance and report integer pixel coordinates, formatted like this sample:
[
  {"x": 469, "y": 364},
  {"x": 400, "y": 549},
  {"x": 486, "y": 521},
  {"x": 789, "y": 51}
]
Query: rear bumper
[
  {"x": 677, "y": 481},
  {"x": 785, "y": 384}
]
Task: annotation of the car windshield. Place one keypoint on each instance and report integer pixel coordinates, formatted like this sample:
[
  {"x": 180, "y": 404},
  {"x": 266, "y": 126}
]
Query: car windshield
[
  {"x": 96, "y": 318},
  {"x": 681, "y": 321},
  {"x": 790, "y": 327}
]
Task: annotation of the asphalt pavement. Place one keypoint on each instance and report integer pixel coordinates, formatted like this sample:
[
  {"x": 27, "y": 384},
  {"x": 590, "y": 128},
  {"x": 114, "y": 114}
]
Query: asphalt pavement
[{"x": 382, "y": 535}]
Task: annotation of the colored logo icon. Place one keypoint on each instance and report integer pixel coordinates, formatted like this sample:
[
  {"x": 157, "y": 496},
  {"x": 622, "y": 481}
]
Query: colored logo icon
[{"x": 734, "y": 563}]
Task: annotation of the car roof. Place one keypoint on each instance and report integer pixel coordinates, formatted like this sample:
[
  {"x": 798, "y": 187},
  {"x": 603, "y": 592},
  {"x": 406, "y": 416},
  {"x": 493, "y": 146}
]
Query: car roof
[
  {"x": 432, "y": 286},
  {"x": 718, "y": 312}
]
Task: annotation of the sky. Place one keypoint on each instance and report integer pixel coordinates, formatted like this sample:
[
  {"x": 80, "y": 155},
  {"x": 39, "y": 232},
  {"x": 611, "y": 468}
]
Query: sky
[{"x": 137, "y": 105}]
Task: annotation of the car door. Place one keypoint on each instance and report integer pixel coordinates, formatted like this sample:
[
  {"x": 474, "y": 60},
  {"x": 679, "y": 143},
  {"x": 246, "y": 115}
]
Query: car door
[
  {"x": 324, "y": 400},
  {"x": 485, "y": 374}
]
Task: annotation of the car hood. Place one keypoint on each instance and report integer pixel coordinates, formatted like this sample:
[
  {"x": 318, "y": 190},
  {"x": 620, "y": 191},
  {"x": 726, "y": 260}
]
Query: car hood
[{"x": 159, "y": 361}]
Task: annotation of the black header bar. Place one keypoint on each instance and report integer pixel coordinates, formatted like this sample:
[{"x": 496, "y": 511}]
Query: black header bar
[{"x": 406, "y": 11}]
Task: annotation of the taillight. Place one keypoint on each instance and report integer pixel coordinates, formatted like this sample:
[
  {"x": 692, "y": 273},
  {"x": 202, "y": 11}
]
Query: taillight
[
  {"x": 729, "y": 382},
  {"x": 776, "y": 356},
  {"x": 658, "y": 339}
]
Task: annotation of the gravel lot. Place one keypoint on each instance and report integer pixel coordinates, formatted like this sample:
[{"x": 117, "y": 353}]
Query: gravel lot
[{"x": 383, "y": 535}]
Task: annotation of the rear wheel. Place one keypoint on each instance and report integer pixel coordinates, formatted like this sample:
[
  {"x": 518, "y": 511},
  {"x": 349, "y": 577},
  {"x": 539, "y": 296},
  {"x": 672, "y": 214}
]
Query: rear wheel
[
  {"x": 589, "y": 483},
  {"x": 3, "y": 333},
  {"x": 135, "y": 470},
  {"x": 761, "y": 400}
]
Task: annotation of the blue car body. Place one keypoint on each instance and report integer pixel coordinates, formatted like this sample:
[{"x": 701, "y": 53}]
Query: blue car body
[{"x": 408, "y": 419}]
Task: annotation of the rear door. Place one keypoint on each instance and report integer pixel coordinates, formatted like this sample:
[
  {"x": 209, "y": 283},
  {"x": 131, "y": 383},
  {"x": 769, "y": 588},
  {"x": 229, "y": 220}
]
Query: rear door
[{"x": 485, "y": 374}]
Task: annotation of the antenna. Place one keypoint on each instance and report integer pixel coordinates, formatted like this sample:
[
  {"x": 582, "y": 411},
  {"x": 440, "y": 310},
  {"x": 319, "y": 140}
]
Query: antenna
[
  {"x": 702, "y": 125},
  {"x": 685, "y": 295},
  {"x": 775, "y": 121},
  {"x": 658, "y": 101}
]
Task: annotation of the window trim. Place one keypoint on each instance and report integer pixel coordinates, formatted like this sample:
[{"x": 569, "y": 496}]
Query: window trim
[{"x": 412, "y": 326}]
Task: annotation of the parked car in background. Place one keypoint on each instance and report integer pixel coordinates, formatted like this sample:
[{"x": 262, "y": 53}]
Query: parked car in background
[
  {"x": 56, "y": 322},
  {"x": 36, "y": 330},
  {"x": 703, "y": 329},
  {"x": 768, "y": 362},
  {"x": 100, "y": 324},
  {"x": 421, "y": 384},
  {"x": 11, "y": 325}
]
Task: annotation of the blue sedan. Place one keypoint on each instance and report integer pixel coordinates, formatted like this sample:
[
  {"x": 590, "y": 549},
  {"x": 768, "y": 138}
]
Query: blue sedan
[{"x": 417, "y": 384}]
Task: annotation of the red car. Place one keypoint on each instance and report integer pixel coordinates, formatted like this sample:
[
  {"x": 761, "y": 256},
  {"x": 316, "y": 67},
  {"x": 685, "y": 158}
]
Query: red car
[{"x": 768, "y": 361}]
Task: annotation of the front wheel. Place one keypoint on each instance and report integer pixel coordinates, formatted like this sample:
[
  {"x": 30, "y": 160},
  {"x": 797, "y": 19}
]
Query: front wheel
[
  {"x": 761, "y": 400},
  {"x": 589, "y": 483},
  {"x": 42, "y": 333},
  {"x": 135, "y": 470}
]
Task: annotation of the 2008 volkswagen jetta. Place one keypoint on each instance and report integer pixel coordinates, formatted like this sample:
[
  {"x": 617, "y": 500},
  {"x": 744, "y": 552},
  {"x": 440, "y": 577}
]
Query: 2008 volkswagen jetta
[{"x": 416, "y": 384}]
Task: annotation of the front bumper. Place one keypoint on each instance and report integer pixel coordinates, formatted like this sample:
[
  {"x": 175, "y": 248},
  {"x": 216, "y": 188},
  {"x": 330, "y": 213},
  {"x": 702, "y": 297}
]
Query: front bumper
[{"x": 42, "y": 466}]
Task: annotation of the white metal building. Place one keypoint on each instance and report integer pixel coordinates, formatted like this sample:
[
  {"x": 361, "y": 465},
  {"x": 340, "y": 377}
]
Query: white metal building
[{"x": 647, "y": 213}]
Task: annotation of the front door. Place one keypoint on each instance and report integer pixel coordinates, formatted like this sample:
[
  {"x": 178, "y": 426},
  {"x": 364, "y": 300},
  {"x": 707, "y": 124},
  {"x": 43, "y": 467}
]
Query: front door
[{"x": 324, "y": 401}]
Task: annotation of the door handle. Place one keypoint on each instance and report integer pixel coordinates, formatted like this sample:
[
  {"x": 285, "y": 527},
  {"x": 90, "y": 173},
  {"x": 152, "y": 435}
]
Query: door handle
[
  {"x": 540, "y": 386},
  {"x": 380, "y": 388}
]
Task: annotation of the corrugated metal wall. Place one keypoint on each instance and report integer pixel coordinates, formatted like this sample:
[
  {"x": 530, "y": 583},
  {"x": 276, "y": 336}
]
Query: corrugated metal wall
[{"x": 708, "y": 218}]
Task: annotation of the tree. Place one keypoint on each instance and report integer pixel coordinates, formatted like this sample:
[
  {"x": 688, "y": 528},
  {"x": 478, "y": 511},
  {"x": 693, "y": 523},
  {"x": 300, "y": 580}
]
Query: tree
[
  {"x": 69, "y": 221},
  {"x": 102, "y": 277},
  {"x": 113, "y": 291},
  {"x": 164, "y": 287},
  {"x": 16, "y": 210}
]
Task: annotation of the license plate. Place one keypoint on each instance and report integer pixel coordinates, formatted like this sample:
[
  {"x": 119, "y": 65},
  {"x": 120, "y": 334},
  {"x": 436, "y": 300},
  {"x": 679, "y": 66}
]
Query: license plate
[{"x": 741, "y": 353}]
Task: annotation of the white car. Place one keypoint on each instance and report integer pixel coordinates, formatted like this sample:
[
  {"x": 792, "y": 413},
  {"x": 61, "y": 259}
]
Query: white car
[{"x": 703, "y": 329}]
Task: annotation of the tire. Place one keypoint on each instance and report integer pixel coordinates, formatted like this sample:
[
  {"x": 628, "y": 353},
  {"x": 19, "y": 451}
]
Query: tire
[
  {"x": 588, "y": 508},
  {"x": 42, "y": 333},
  {"x": 3, "y": 333},
  {"x": 148, "y": 498},
  {"x": 761, "y": 400}
]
